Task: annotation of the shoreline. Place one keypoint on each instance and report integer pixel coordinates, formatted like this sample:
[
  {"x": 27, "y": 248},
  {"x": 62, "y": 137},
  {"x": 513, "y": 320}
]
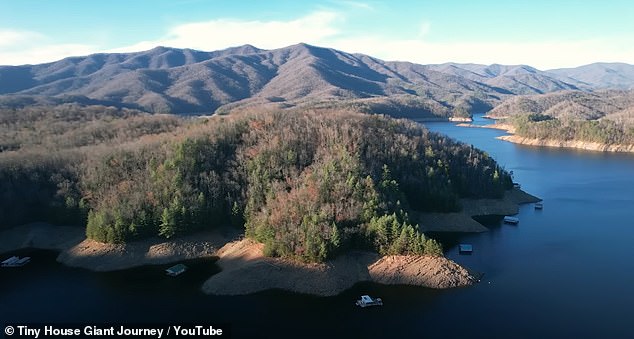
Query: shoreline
[
  {"x": 463, "y": 221},
  {"x": 460, "y": 119},
  {"x": 75, "y": 250},
  {"x": 440, "y": 119},
  {"x": 552, "y": 143},
  {"x": 574, "y": 144},
  {"x": 245, "y": 270}
]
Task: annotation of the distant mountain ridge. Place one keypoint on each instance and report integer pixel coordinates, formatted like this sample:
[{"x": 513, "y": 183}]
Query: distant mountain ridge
[
  {"x": 516, "y": 79},
  {"x": 600, "y": 75},
  {"x": 171, "y": 80}
]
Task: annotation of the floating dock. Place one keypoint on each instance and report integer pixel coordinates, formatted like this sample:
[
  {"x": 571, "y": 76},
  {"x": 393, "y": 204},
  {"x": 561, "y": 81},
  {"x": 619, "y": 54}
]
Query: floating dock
[
  {"x": 16, "y": 261},
  {"x": 366, "y": 301},
  {"x": 511, "y": 220},
  {"x": 176, "y": 270},
  {"x": 465, "y": 248}
]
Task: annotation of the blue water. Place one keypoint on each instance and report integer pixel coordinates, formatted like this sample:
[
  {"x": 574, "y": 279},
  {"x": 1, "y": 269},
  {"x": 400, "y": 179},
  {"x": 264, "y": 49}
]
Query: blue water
[{"x": 565, "y": 271}]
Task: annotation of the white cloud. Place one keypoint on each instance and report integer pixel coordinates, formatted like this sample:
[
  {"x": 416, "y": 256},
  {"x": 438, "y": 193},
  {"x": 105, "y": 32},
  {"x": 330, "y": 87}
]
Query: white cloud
[
  {"x": 44, "y": 53},
  {"x": 324, "y": 28},
  {"x": 9, "y": 38},
  {"x": 327, "y": 28},
  {"x": 17, "y": 48},
  {"x": 315, "y": 28},
  {"x": 25, "y": 47}
]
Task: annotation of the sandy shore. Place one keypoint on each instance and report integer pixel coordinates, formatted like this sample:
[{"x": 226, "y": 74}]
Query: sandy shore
[
  {"x": 98, "y": 256},
  {"x": 501, "y": 126},
  {"x": 432, "y": 272},
  {"x": 577, "y": 144},
  {"x": 463, "y": 222},
  {"x": 77, "y": 251},
  {"x": 585, "y": 145},
  {"x": 246, "y": 270},
  {"x": 460, "y": 119}
]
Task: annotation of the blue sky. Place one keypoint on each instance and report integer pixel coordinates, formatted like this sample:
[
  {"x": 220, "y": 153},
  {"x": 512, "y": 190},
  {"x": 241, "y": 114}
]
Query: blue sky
[{"x": 544, "y": 34}]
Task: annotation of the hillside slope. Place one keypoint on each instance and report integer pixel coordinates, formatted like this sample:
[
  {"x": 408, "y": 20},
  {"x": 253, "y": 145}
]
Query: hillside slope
[{"x": 187, "y": 81}]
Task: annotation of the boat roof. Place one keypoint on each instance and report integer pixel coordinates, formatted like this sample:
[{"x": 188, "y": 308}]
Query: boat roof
[
  {"x": 10, "y": 260},
  {"x": 466, "y": 247},
  {"x": 366, "y": 298},
  {"x": 177, "y": 268}
]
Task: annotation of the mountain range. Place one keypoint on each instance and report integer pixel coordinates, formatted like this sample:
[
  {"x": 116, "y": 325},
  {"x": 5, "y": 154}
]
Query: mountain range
[{"x": 185, "y": 81}]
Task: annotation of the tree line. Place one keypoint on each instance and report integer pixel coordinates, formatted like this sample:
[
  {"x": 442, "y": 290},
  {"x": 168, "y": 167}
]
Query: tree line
[{"x": 540, "y": 126}]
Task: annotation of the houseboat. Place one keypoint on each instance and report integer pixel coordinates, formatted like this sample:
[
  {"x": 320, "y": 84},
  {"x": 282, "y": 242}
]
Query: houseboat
[
  {"x": 176, "y": 270},
  {"x": 16, "y": 261},
  {"x": 366, "y": 300},
  {"x": 511, "y": 220}
]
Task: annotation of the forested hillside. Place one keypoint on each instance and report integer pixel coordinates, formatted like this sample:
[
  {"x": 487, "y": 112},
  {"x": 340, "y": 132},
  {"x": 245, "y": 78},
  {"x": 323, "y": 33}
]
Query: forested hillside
[
  {"x": 605, "y": 117},
  {"x": 306, "y": 184}
]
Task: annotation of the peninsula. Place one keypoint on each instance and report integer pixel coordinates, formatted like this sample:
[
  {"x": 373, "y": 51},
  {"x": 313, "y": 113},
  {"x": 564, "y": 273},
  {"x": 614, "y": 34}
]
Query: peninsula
[
  {"x": 345, "y": 197},
  {"x": 597, "y": 121}
]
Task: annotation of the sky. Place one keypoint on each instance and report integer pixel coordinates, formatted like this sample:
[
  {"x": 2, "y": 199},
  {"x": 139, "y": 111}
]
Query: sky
[{"x": 545, "y": 34}]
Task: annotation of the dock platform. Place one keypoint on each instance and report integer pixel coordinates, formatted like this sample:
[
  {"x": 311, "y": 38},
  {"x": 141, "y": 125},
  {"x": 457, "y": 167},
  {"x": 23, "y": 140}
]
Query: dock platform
[
  {"x": 465, "y": 248},
  {"x": 511, "y": 220},
  {"x": 16, "y": 261},
  {"x": 176, "y": 270}
]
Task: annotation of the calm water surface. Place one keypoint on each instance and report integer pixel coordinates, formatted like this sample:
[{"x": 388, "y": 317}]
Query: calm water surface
[{"x": 564, "y": 271}]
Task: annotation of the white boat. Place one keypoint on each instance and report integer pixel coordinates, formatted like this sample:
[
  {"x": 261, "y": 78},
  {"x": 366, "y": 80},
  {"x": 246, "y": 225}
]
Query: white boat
[
  {"x": 539, "y": 205},
  {"x": 16, "y": 261},
  {"x": 366, "y": 300},
  {"x": 511, "y": 220}
]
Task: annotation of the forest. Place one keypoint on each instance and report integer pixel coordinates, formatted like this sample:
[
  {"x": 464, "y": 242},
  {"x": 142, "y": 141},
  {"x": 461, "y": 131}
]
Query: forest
[
  {"x": 603, "y": 131},
  {"x": 307, "y": 184},
  {"x": 604, "y": 117}
]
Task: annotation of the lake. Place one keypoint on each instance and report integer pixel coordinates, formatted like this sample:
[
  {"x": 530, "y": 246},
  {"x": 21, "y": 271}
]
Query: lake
[{"x": 564, "y": 271}]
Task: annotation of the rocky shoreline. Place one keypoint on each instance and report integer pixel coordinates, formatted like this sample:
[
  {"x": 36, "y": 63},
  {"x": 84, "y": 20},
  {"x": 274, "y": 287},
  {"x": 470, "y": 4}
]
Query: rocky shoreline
[
  {"x": 463, "y": 221},
  {"x": 77, "y": 251},
  {"x": 246, "y": 270},
  {"x": 96, "y": 256},
  {"x": 585, "y": 145},
  {"x": 576, "y": 144}
]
